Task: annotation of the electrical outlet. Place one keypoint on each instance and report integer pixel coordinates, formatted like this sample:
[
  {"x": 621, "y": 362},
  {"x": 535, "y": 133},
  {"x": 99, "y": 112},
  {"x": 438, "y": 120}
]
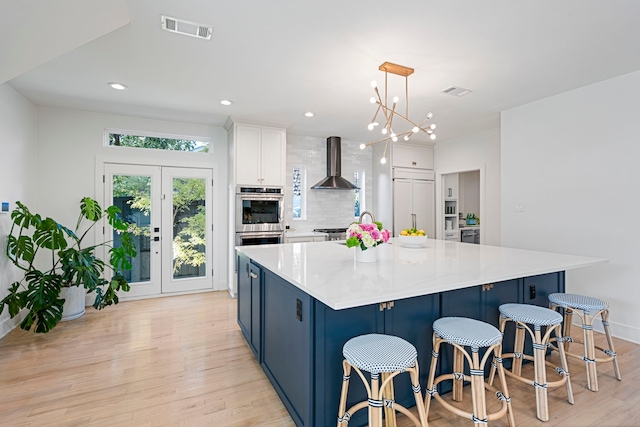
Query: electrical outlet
[{"x": 519, "y": 207}]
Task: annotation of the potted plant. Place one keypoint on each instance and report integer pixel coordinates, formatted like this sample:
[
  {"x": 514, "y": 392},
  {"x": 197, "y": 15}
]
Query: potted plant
[{"x": 53, "y": 257}]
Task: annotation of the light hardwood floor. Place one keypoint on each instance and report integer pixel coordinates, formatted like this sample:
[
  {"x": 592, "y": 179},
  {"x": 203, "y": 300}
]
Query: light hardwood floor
[{"x": 182, "y": 361}]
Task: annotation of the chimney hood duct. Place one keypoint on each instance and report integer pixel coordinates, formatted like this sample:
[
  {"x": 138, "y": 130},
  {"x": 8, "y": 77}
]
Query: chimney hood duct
[{"x": 334, "y": 181}]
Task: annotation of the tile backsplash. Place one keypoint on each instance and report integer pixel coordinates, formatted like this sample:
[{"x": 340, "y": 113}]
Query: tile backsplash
[{"x": 325, "y": 208}]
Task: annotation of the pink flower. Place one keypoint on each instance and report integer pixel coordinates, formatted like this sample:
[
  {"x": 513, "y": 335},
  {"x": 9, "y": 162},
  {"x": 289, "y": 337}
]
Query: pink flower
[
  {"x": 385, "y": 235},
  {"x": 376, "y": 235}
]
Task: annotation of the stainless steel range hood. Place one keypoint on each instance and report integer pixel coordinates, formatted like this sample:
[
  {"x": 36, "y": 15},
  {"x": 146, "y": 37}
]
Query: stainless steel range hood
[{"x": 334, "y": 181}]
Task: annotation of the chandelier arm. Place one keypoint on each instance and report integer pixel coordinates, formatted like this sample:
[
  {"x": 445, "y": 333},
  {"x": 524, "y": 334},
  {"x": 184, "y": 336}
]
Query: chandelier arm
[
  {"x": 380, "y": 104},
  {"x": 375, "y": 116}
]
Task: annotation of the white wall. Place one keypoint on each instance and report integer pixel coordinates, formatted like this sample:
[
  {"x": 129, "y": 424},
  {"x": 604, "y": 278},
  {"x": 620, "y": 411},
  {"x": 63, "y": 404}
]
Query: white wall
[
  {"x": 572, "y": 161},
  {"x": 480, "y": 151},
  {"x": 70, "y": 150},
  {"x": 17, "y": 175},
  {"x": 325, "y": 208}
]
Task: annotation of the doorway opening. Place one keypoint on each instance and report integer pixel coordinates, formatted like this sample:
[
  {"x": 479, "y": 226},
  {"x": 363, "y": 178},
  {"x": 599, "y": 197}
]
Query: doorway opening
[{"x": 461, "y": 207}]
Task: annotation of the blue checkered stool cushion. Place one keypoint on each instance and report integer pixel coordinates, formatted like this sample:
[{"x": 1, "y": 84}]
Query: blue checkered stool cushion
[
  {"x": 377, "y": 353},
  {"x": 531, "y": 314},
  {"x": 467, "y": 332},
  {"x": 580, "y": 302}
]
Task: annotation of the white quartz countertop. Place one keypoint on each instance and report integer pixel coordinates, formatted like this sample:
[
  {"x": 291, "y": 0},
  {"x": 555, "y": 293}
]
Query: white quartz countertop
[{"x": 328, "y": 271}]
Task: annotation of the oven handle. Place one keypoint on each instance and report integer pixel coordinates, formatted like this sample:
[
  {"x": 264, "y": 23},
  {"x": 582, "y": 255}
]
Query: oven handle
[
  {"x": 260, "y": 235},
  {"x": 260, "y": 197}
]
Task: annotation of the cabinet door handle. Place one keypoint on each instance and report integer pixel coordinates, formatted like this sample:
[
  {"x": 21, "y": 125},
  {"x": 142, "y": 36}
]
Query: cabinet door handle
[
  {"x": 450, "y": 192},
  {"x": 253, "y": 275}
]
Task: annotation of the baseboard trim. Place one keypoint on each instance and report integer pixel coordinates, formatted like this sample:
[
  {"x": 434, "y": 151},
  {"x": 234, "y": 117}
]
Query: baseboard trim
[{"x": 9, "y": 324}]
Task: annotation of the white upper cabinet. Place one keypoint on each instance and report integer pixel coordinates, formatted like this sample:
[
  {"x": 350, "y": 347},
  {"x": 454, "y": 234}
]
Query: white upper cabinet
[
  {"x": 412, "y": 156},
  {"x": 260, "y": 155}
]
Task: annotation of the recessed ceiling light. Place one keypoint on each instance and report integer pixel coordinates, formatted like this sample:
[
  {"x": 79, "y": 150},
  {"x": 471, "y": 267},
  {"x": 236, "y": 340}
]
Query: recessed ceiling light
[
  {"x": 226, "y": 102},
  {"x": 117, "y": 86},
  {"x": 309, "y": 114}
]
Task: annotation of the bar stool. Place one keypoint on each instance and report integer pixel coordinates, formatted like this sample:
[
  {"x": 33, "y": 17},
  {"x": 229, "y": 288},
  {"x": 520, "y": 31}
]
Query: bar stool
[
  {"x": 461, "y": 332},
  {"x": 380, "y": 354},
  {"x": 524, "y": 315},
  {"x": 583, "y": 306}
]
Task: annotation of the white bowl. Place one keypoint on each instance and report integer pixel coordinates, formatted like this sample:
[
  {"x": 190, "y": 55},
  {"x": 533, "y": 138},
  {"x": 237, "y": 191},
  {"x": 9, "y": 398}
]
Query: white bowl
[{"x": 412, "y": 241}]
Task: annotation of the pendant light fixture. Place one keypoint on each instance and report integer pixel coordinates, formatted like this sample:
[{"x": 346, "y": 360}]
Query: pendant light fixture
[{"x": 389, "y": 113}]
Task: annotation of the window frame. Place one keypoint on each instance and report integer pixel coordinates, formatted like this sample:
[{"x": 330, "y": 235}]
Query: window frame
[{"x": 108, "y": 131}]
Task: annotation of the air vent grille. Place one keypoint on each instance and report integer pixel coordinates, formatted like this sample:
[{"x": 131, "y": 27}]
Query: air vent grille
[
  {"x": 457, "y": 91},
  {"x": 187, "y": 28}
]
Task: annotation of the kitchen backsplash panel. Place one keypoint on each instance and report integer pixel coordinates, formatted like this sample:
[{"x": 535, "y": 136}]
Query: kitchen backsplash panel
[{"x": 325, "y": 208}]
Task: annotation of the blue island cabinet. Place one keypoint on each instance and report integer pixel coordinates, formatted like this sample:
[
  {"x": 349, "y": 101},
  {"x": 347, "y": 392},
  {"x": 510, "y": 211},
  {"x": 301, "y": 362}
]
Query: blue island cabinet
[{"x": 298, "y": 339}]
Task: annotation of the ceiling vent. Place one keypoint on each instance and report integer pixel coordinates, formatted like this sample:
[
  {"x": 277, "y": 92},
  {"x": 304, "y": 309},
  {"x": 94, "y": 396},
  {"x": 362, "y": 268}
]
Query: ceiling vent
[
  {"x": 457, "y": 91},
  {"x": 187, "y": 28}
]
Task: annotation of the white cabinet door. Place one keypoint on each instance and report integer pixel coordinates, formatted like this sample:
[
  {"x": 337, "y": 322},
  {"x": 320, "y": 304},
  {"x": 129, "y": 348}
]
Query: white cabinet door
[
  {"x": 424, "y": 206},
  {"x": 402, "y": 204},
  {"x": 260, "y": 156},
  {"x": 248, "y": 155},
  {"x": 413, "y": 197},
  {"x": 412, "y": 156},
  {"x": 273, "y": 161}
]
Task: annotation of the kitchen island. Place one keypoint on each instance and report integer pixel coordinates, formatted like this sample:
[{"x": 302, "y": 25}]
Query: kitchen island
[{"x": 299, "y": 303}]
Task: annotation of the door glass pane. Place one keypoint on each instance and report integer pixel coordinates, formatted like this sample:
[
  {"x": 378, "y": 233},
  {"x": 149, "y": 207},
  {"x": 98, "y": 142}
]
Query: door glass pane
[
  {"x": 132, "y": 194},
  {"x": 189, "y": 228}
]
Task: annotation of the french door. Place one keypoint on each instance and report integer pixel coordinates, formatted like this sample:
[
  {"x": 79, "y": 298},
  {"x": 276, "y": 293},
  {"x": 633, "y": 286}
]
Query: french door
[{"x": 169, "y": 212}]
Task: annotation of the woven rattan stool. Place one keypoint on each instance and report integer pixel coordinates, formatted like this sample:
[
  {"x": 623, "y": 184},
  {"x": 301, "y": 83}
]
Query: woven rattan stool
[
  {"x": 524, "y": 315},
  {"x": 461, "y": 333},
  {"x": 588, "y": 308},
  {"x": 386, "y": 356}
]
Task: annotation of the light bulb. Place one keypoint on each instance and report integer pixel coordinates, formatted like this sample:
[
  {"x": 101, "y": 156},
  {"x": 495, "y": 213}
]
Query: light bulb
[
  {"x": 429, "y": 131},
  {"x": 433, "y": 136},
  {"x": 393, "y": 134},
  {"x": 433, "y": 126},
  {"x": 384, "y": 131},
  {"x": 394, "y": 138},
  {"x": 406, "y": 137},
  {"x": 374, "y": 84},
  {"x": 370, "y": 126},
  {"x": 372, "y": 100},
  {"x": 429, "y": 115},
  {"x": 375, "y": 123},
  {"x": 363, "y": 146},
  {"x": 415, "y": 129},
  {"x": 383, "y": 160},
  {"x": 395, "y": 99}
]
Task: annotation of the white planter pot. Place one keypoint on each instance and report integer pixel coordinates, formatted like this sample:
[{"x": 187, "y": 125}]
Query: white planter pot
[
  {"x": 368, "y": 255},
  {"x": 73, "y": 302}
]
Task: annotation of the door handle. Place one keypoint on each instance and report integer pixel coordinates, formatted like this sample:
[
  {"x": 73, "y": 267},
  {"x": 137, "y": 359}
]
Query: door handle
[
  {"x": 253, "y": 275},
  {"x": 156, "y": 239}
]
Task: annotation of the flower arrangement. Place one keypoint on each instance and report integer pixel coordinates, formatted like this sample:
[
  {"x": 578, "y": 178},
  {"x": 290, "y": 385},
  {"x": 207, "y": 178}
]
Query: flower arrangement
[{"x": 366, "y": 235}]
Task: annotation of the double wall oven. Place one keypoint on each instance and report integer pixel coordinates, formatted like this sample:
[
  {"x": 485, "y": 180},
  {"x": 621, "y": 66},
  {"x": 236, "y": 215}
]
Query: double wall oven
[{"x": 259, "y": 215}]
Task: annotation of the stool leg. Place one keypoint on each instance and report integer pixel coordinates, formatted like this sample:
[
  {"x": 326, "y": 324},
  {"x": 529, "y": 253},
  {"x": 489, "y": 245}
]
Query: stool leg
[
  {"x": 590, "y": 352},
  {"x": 458, "y": 367},
  {"x": 503, "y": 383},
  {"x": 415, "y": 385},
  {"x": 388, "y": 394},
  {"x": 342, "y": 419},
  {"x": 494, "y": 365},
  {"x": 432, "y": 375},
  {"x": 607, "y": 331},
  {"x": 565, "y": 367},
  {"x": 518, "y": 350},
  {"x": 568, "y": 318},
  {"x": 477, "y": 390},
  {"x": 540, "y": 381},
  {"x": 375, "y": 408}
]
